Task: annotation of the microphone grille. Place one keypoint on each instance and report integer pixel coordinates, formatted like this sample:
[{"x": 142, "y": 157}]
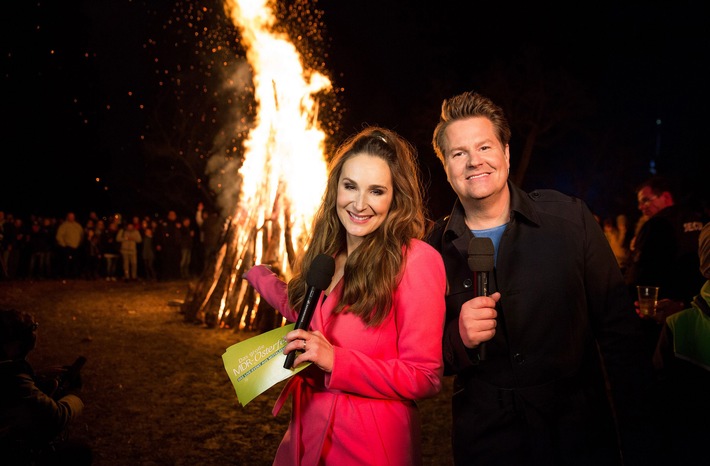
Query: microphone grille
[
  {"x": 481, "y": 254},
  {"x": 321, "y": 272}
]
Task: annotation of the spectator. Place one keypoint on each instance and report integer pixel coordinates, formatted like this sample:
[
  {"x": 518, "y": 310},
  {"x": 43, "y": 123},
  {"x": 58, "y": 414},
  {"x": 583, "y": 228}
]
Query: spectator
[
  {"x": 36, "y": 413},
  {"x": 92, "y": 255},
  {"x": 129, "y": 238},
  {"x": 148, "y": 254},
  {"x": 682, "y": 359},
  {"x": 39, "y": 245},
  {"x": 70, "y": 235},
  {"x": 110, "y": 250},
  {"x": 138, "y": 225},
  {"x": 168, "y": 246},
  {"x": 201, "y": 215},
  {"x": 187, "y": 243},
  {"x": 210, "y": 227},
  {"x": 665, "y": 253},
  {"x": 15, "y": 239},
  {"x": 52, "y": 225}
]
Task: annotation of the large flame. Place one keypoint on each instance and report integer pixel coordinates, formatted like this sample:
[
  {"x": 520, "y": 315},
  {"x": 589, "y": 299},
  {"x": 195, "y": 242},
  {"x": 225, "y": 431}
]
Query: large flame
[
  {"x": 284, "y": 169},
  {"x": 283, "y": 173}
]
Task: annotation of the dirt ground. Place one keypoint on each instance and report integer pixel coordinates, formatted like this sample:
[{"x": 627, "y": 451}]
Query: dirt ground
[{"x": 155, "y": 387}]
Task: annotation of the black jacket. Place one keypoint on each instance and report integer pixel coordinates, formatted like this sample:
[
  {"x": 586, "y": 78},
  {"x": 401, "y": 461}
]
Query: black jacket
[
  {"x": 666, "y": 254},
  {"x": 562, "y": 297}
]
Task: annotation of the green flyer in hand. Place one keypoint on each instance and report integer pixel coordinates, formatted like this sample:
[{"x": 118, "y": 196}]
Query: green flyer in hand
[{"x": 257, "y": 364}]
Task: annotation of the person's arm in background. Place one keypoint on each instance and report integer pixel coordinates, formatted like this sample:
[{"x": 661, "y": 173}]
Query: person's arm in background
[{"x": 199, "y": 220}]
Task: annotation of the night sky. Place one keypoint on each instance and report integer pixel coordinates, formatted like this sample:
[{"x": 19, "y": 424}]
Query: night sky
[{"x": 98, "y": 96}]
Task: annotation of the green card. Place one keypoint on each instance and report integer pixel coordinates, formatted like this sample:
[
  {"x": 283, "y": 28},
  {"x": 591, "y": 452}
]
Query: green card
[{"x": 257, "y": 364}]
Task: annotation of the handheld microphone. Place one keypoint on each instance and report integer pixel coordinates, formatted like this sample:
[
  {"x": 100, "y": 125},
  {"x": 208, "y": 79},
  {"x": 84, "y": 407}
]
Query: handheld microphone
[
  {"x": 481, "y": 259},
  {"x": 318, "y": 278}
]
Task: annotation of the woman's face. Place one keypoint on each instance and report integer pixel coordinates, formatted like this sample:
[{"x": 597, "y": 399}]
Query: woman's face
[{"x": 364, "y": 196}]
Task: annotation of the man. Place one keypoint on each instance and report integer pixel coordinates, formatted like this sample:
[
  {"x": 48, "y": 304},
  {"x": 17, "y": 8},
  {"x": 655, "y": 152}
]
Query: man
[
  {"x": 70, "y": 236},
  {"x": 130, "y": 238},
  {"x": 557, "y": 316},
  {"x": 665, "y": 249},
  {"x": 167, "y": 245}
]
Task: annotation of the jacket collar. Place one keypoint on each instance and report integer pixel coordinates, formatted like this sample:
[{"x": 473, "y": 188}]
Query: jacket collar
[{"x": 521, "y": 205}]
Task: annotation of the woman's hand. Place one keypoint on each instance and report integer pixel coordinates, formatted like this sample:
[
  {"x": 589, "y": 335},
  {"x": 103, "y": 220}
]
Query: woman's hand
[{"x": 312, "y": 346}]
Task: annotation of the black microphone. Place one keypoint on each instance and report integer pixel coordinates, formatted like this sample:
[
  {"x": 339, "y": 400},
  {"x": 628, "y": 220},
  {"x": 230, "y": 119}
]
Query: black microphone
[
  {"x": 318, "y": 279},
  {"x": 481, "y": 259}
]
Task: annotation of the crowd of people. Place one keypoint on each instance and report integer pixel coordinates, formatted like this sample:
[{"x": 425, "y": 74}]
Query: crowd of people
[{"x": 112, "y": 248}]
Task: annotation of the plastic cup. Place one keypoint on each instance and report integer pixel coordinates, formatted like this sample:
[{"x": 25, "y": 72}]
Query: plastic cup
[{"x": 648, "y": 299}]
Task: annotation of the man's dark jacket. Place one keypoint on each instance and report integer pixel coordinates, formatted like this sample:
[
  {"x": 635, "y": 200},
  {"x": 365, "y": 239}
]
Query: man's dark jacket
[{"x": 562, "y": 297}]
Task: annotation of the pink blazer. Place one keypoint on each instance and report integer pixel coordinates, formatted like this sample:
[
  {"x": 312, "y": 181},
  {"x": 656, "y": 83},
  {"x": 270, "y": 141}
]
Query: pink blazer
[{"x": 364, "y": 412}]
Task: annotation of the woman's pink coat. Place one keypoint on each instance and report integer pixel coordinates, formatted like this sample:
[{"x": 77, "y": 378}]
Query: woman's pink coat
[{"x": 364, "y": 412}]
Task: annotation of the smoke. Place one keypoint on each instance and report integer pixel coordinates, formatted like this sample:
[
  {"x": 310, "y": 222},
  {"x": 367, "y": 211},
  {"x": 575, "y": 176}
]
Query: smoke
[{"x": 222, "y": 167}]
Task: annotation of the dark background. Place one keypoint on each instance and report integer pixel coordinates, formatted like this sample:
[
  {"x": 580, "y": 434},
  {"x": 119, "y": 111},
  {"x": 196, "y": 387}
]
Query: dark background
[{"x": 115, "y": 105}]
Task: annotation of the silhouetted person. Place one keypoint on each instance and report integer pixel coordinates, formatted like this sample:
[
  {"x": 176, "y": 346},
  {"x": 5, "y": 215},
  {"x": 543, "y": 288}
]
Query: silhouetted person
[
  {"x": 187, "y": 243},
  {"x": 682, "y": 359},
  {"x": 15, "y": 239},
  {"x": 210, "y": 225},
  {"x": 35, "y": 412},
  {"x": 92, "y": 255},
  {"x": 110, "y": 250},
  {"x": 39, "y": 244},
  {"x": 148, "y": 254},
  {"x": 167, "y": 245}
]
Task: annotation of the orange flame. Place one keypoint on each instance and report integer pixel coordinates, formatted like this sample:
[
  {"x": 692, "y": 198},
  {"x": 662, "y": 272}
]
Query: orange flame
[
  {"x": 283, "y": 174},
  {"x": 284, "y": 168}
]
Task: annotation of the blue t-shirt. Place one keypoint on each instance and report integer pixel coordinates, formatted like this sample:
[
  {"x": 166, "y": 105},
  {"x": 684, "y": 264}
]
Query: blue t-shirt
[{"x": 494, "y": 234}]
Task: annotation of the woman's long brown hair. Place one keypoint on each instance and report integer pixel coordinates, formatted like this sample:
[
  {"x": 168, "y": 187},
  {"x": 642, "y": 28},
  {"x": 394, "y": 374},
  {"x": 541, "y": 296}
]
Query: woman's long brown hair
[{"x": 372, "y": 271}]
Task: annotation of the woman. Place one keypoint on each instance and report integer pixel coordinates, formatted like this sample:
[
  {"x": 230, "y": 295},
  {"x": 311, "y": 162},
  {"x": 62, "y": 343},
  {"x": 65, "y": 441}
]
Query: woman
[{"x": 375, "y": 339}]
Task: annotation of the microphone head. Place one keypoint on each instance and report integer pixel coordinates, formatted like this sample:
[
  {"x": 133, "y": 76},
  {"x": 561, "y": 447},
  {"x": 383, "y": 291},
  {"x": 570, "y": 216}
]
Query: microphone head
[
  {"x": 321, "y": 272},
  {"x": 481, "y": 254}
]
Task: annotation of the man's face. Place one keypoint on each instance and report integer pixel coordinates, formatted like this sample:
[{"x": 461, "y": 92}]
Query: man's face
[
  {"x": 649, "y": 203},
  {"x": 475, "y": 161}
]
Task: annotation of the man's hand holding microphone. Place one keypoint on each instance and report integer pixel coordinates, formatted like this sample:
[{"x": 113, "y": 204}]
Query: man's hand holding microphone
[{"x": 477, "y": 319}]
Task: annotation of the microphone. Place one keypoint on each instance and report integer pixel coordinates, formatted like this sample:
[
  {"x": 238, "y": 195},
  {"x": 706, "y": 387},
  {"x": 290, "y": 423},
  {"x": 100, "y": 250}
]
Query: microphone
[
  {"x": 318, "y": 278},
  {"x": 481, "y": 259}
]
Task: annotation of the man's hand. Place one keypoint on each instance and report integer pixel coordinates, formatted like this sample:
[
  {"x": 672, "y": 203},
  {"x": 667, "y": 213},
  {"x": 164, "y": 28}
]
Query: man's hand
[
  {"x": 664, "y": 308},
  {"x": 70, "y": 380},
  {"x": 477, "y": 320}
]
